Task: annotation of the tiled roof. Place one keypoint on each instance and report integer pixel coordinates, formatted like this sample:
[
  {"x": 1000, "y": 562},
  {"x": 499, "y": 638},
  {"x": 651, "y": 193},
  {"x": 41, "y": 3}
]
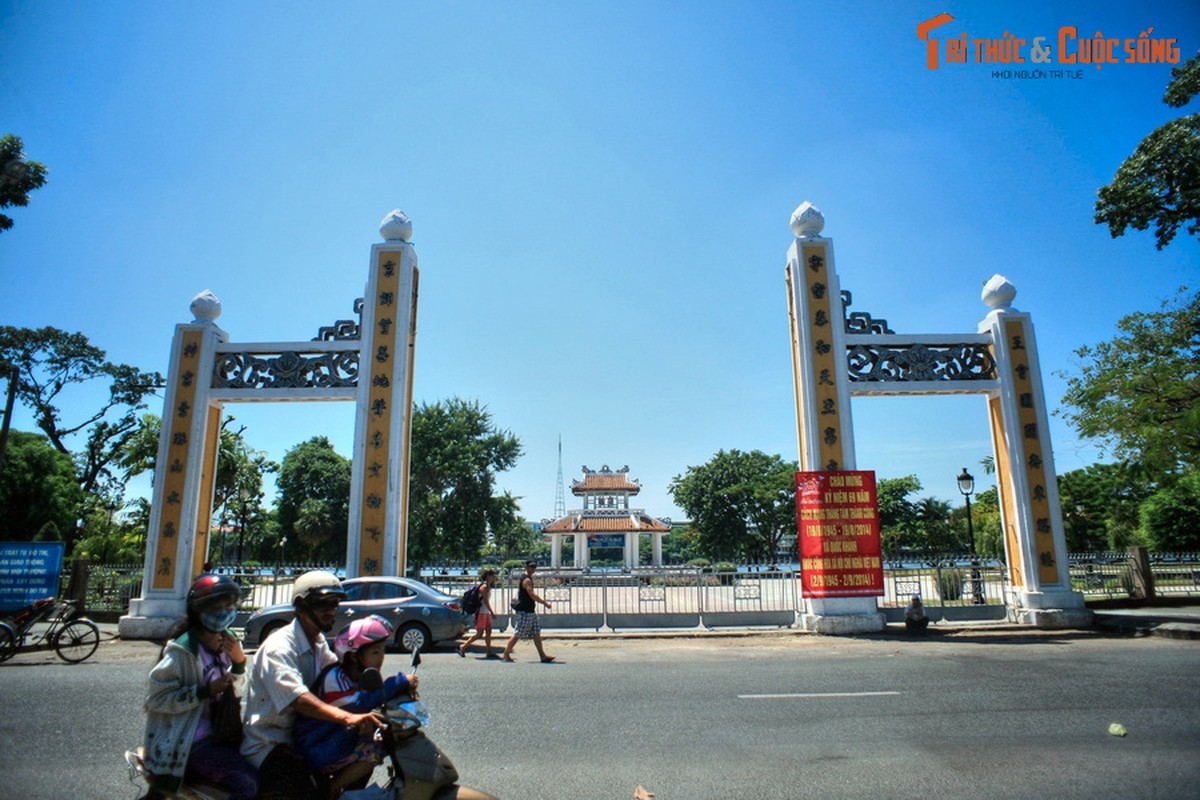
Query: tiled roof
[
  {"x": 604, "y": 483},
  {"x": 583, "y": 523}
]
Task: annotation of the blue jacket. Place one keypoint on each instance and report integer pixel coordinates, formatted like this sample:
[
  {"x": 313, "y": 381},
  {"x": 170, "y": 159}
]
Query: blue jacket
[{"x": 324, "y": 743}]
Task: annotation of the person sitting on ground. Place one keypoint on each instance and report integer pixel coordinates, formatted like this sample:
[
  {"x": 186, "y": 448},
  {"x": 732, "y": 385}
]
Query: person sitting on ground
[
  {"x": 286, "y": 665},
  {"x": 484, "y": 616},
  {"x": 348, "y": 756},
  {"x": 914, "y": 615},
  {"x": 200, "y": 669}
]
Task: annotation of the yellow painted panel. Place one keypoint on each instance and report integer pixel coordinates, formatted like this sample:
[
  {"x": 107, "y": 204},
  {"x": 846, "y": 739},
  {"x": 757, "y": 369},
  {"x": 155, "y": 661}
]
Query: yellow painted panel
[
  {"x": 179, "y": 424},
  {"x": 1008, "y": 504},
  {"x": 1033, "y": 440}
]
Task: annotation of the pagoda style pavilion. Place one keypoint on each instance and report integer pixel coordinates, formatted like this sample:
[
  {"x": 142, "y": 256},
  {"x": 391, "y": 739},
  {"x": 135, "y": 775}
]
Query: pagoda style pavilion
[{"x": 605, "y": 516}]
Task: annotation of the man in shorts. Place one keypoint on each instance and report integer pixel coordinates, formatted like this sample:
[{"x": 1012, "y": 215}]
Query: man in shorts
[{"x": 525, "y": 610}]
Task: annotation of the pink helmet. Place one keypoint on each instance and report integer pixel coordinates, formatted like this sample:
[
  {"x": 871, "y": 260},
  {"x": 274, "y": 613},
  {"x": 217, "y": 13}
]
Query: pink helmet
[{"x": 361, "y": 633}]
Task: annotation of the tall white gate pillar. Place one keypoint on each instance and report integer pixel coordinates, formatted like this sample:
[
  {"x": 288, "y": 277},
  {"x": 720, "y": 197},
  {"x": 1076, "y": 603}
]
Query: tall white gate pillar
[
  {"x": 369, "y": 362},
  {"x": 1028, "y": 486},
  {"x": 824, "y": 428}
]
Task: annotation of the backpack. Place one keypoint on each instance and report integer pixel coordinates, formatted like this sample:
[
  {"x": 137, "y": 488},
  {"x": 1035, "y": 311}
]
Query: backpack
[{"x": 471, "y": 602}]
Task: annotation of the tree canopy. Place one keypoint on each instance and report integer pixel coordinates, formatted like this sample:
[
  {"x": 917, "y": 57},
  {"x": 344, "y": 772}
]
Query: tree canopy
[
  {"x": 48, "y": 362},
  {"x": 456, "y": 453},
  {"x": 741, "y": 504},
  {"x": 314, "y": 499},
  {"x": 39, "y": 494},
  {"x": 1159, "y": 183},
  {"x": 1139, "y": 393},
  {"x": 18, "y": 176}
]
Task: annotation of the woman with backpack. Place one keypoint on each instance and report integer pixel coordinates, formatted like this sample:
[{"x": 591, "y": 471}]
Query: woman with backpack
[{"x": 478, "y": 601}]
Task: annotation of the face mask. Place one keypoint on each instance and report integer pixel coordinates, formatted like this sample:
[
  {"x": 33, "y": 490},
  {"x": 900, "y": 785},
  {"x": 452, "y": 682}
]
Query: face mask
[{"x": 218, "y": 621}]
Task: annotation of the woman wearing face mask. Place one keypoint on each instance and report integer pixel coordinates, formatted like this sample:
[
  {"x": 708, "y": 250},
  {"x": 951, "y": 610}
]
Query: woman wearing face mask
[{"x": 201, "y": 669}]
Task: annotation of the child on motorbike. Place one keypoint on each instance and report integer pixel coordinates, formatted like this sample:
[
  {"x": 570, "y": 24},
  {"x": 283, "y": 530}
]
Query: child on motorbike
[
  {"x": 332, "y": 750},
  {"x": 186, "y": 696}
]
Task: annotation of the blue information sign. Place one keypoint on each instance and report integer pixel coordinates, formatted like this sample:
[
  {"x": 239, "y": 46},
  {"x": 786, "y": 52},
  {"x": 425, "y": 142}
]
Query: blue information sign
[
  {"x": 28, "y": 571},
  {"x": 603, "y": 540}
]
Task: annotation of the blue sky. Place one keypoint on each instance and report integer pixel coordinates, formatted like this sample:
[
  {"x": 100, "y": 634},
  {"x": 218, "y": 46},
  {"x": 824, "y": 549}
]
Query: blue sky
[{"x": 600, "y": 197}]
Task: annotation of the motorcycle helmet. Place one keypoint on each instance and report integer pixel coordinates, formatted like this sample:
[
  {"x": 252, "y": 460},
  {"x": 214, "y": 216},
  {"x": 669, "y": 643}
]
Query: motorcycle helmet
[
  {"x": 317, "y": 584},
  {"x": 360, "y": 633},
  {"x": 211, "y": 587}
]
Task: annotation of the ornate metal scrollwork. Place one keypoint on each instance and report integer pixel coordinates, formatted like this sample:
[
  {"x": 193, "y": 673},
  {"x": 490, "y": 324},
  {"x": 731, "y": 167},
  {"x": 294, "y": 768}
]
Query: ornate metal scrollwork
[
  {"x": 920, "y": 362},
  {"x": 861, "y": 321},
  {"x": 288, "y": 370},
  {"x": 342, "y": 329}
]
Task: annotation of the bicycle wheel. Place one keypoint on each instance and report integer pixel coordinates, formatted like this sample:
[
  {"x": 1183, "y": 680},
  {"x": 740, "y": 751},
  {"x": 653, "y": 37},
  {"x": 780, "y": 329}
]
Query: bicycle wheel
[
  {"x": 8, "y": 641},
  {"x": 77, "y": 641}
]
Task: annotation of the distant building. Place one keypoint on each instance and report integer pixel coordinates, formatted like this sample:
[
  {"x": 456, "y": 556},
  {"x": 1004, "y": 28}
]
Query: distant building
[{"x": 606, "y": 520}]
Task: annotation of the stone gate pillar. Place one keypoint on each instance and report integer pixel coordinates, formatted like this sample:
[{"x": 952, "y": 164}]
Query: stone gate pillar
[
  {"x": 383, "y": 426},
  {"x": 181, "y": 504},
  {"x": 824, "y": 427},
  {"x": 1029, "y": 504}
]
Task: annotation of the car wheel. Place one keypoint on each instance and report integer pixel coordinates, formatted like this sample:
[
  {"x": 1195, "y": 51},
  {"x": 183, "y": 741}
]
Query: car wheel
[{"x": 412, "y": 637}]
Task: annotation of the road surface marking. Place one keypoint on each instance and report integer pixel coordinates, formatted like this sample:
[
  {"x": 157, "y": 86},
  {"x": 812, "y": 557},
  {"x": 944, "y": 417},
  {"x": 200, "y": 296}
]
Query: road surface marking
[{"x": 804, "y": 695}]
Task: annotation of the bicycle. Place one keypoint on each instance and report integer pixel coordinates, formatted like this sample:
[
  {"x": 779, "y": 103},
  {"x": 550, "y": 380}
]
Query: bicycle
[{"x": 50, "y": 624}]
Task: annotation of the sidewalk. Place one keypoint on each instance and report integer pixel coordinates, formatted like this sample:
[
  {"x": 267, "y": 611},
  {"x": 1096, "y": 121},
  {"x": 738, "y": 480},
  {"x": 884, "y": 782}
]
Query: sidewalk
[{"x": 1177, "y": 622}]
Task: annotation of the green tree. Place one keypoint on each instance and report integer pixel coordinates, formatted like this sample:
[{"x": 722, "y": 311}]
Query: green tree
[
  {"x": 1160, "y": 183},
  {"x": 741, "y": 504},
  {"x": 1100, "y": 506},
  {"x": 1139, "y": 393},
  {"x": 511, "y": 534},
  {"x": 1170, "y": 518},
  {"x": 39, "y": 492},
  {"x": 314, "y": 500},
  {"x": 238, "y": 491},
  {"x": 48, "y": 362},
  {"x": 18, "y": 176},
  {"x": 456, "y": 453},
  {"x": 933, "y": 521},
  {"x": 985, "y": 517},
  {"x": 898, "y": 523}
]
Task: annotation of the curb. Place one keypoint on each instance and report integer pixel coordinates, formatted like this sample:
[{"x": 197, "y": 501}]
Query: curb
[{"x": 1147, "y": 626}]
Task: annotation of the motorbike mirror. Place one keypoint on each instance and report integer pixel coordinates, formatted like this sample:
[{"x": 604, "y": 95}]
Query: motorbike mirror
[{"x": 370, "y": 680}]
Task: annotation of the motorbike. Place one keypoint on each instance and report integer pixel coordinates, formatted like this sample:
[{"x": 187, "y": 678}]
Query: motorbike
[{"x": 418, "y": 769}]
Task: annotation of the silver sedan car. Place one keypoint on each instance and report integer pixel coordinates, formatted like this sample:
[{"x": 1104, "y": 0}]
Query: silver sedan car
[{"x": 421, "y": 614}]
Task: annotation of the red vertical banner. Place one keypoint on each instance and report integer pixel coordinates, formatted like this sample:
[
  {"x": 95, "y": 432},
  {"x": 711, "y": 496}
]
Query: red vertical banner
[{"x": 837, "y": 519}]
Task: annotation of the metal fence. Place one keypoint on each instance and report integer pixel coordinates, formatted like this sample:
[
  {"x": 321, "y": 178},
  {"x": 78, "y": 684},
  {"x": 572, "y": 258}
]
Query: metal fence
[
  {"x": 687, "y": 597},
  {"x": 1113, "y": 575}
]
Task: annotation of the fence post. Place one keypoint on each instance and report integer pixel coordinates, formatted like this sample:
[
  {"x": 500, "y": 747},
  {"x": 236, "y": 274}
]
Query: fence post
[
  {"x": 1143, "y": 578},
  {"x": 77, "y": 587}
]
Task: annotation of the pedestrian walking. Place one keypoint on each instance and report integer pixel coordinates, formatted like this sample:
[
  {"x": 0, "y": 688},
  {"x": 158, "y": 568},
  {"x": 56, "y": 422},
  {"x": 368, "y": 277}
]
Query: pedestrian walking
[
  {"x": 484, "y": 614},
  {"x": 525, "y": 608}
]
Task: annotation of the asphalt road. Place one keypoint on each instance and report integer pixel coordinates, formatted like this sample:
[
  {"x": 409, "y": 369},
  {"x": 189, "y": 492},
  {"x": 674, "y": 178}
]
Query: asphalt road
[{"x": 979, "y": 715}]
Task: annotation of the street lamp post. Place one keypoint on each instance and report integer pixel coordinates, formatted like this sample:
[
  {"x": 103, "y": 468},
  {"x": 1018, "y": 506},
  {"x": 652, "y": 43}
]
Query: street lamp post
[{"x": 966, "y": 487}]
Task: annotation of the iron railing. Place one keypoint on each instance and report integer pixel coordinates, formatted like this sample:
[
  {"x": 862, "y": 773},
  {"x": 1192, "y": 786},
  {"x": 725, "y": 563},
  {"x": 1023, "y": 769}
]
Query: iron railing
[{"x": 688, "y": 596}]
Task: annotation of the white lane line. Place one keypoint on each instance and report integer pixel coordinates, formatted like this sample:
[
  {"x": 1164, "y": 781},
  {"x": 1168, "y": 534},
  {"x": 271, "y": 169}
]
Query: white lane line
[{"x": 805, "y": 695}]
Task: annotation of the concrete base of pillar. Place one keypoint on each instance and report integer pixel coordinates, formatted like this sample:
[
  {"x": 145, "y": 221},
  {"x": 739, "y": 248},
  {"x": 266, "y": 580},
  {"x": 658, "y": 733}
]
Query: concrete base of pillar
[
  {"x": 1052, "y": 618},
  {"x": 152, "y": 618},
  {"x": 841, "y": 624},
  {"x": 1050, "y": 609},
  {"x": 131, "y": 627}
]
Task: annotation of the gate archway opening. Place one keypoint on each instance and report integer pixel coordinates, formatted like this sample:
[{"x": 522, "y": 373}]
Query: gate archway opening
[
  {"x": 367, "y": 361},
  {"x": 838, "y": 354}
]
